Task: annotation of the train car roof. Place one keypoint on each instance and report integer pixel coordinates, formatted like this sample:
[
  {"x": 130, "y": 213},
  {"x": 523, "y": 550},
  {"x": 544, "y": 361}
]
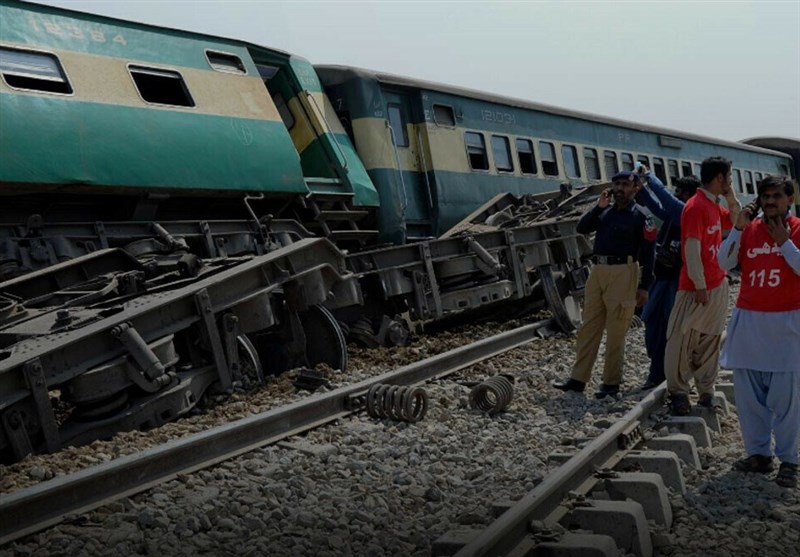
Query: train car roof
[
  {"x": 77, "y": 13},
  {"x": 777, "y": 142},
  {"x": 391, "y": 79}
]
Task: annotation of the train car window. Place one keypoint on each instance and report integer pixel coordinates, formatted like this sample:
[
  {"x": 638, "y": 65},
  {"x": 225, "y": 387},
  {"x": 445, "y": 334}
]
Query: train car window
[
  {"x": 502, "y": 153},
  {"x": 266, "y": 72},
  {"x": 443, "y": 115},
  {"x": 476, "y": 151},
  {"x": 759, "y": 177},
  {"x": 784, "y": 169},
  {"x": 612, "y": 165},
  {"x": 591, "y": 162},
  {"x": 659, "y": 170},
  {"x": 398, "y": 126},
  {"x": 525, "y": 156},
  {"x": 161, "y": 86},
  {"x": 737, "y": 180},
  {"x": 571, "y": 166},
  {"x": 627, "y": 161},
  {"x": 224, "y": 62},
  {"x": 696, "y": 166},
  {"x": 34, "y": 71},
  {"x": 645, "y": 160},
  {"x": 748, "y": 182},
  {"x": 686, "y": 169},
  {"x": 549, "y": 162},
  {"x": 283, "y": 110},
  {"x": 672, "y": 170}
]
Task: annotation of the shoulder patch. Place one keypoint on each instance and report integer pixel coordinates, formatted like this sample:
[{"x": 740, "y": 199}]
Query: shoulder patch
[{"x": 650, "y": 230}]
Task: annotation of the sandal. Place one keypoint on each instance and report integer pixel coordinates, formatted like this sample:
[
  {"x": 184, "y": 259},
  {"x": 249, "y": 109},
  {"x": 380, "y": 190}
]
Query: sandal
[
  {"x": 757, "y": 464},
  {"x": 787, "y": 475},
  {"x": 707, "y": 400},
  {"x": 679, "y": 404}
]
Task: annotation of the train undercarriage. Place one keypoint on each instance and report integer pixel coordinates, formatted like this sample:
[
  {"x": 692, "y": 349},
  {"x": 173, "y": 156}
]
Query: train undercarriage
[{"x": 139, "y": 320}]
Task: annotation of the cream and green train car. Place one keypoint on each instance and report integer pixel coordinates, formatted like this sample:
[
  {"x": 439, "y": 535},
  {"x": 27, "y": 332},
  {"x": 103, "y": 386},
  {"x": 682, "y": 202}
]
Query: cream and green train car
[
  {"x": 437, "y": 152},
  {"x": 108, "y": 120}
]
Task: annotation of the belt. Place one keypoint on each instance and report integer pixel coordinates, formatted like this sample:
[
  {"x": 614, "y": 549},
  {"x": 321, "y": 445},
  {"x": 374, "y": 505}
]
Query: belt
[{"x": 614, "y": 259}]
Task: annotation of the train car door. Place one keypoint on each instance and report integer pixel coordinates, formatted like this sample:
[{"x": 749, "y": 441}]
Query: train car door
[{"x": 411, "y": 177}]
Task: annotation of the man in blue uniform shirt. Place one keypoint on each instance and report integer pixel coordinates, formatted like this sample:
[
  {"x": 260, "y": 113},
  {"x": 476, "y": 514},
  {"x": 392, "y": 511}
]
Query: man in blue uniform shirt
[
  {"x": 624, "y": 241},
  {"x": 667, "y": 266}
]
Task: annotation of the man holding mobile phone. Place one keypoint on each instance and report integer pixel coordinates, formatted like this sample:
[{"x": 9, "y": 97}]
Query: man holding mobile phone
[
  {"x": 617, "y": 283},
  {"x": 763, "y": 340},
  {"x": 697, "y": 319}
]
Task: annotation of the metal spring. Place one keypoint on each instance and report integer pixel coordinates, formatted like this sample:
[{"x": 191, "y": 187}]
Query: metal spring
[
  {"x": 492, "y": 396},
  {"x": 408, "y": 404}
]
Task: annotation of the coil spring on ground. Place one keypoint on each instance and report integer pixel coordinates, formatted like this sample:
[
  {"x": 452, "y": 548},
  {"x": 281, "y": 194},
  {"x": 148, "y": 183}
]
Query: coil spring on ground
[
  {"x": 492, "y": 396},
  {"x": 408, "y": 404}
]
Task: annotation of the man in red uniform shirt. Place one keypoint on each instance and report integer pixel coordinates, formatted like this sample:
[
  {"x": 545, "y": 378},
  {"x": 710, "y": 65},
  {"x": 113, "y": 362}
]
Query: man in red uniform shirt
[
  {"x": 763, "y": 342},
  {"x": 701, "y": 304}
]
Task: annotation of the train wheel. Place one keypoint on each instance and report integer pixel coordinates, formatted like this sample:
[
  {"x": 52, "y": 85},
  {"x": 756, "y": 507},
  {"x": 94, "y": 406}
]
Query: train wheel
[
  {"x": 566, "y": 308},
  {"x": 307, "y": 338},
  {"x": 325, "y": 342},
  {"x": 250, "y": 369}
]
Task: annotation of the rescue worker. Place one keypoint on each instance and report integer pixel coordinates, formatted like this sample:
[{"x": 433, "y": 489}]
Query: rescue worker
[
  {"x": 624, "y": 241},
  {"x": 701, "y": 304},
  {"x": 763, "y": 341}
]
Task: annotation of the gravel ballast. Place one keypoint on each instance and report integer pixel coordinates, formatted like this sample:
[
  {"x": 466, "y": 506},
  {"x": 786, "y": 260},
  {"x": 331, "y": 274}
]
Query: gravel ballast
[{"x": 370, "y": 487}]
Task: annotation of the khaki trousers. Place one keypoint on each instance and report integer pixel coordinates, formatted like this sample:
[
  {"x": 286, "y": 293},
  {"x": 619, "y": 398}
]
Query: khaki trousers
[
  {"x": 609, "y": 304},
  {"x": 693, "y": 341}
]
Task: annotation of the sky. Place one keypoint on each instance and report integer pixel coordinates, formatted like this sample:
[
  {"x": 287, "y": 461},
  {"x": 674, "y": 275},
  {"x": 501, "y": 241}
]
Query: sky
[{"x": 724, "y": 69}]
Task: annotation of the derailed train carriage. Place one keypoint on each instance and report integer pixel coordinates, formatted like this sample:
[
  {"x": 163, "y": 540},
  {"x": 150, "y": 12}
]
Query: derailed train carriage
[{"x": 171, "y": 202}]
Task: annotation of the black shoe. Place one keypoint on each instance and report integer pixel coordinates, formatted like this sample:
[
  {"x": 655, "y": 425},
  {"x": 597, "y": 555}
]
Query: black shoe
[
  {"x": 570, "y": 385},
  {"x": 755, "y": 464},
  {"x": 679, "y": 404},
  {"x": 787, "y": 475},
  {"x": 607, "y": 390}
]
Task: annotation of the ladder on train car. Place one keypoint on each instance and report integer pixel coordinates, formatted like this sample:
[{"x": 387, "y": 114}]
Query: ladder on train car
[{"x": 331, "y": 203}]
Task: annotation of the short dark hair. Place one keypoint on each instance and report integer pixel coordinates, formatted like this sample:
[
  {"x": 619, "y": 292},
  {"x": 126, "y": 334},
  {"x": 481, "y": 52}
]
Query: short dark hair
[
  {"x": 770, "y": 182},
  {"x": 688, "y": 184},
  {"x": 713, "y": 167}
]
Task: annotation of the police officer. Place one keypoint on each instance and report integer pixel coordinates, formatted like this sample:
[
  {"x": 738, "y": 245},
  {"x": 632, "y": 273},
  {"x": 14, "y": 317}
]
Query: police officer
[{"x": 623, "y": 271}]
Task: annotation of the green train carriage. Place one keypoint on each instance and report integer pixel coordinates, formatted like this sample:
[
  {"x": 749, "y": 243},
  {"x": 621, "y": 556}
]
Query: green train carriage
[
  {"x": 436, "y": 152},
  {"x": 107, "y": 120}
]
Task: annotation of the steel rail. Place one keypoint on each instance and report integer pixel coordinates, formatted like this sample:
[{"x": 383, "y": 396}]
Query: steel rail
[
  {"x": 544, "y": 501},
  {"x": 48, "y": 503}
]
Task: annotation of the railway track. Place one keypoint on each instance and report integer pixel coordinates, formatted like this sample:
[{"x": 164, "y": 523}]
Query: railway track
[
  {"x": 43, "y": 505},
  {"x": 609, "y": 490}
]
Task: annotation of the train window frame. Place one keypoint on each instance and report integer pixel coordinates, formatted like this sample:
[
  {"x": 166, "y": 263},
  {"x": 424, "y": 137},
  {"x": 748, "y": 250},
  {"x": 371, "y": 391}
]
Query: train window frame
[
  {"x": 588, "y": 166},
  {"x": 236, "y": 68},
  {"x": 531, "y": 153},
  {"x": 482, "y": 147},
  {"x": 749, "y": 185},
  {"x": 623, "y": 161},
  {"x": 505, "y": 148},
  {"x": 567, "y": 148},
  {"x": 736, "y": 176},
  {"x": 544, "y": 162},
  {"x": 615, "y": 158},
  {"x": 783, "y": 169},
  {"x": 673, "y": 178},
  {"x": 697, "y": 167},
  {"x": 643, "y": 159},
  {"x": 757, "y": 177},
  {"x": 450, "y": 111},
  {"x": 37, "y": 83},
  {"x": 406, "y": 143},
  {"x": 660, "y": 169},
  {"x": 153, "y": 71},
  {"x": 686, "y": 165}
]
